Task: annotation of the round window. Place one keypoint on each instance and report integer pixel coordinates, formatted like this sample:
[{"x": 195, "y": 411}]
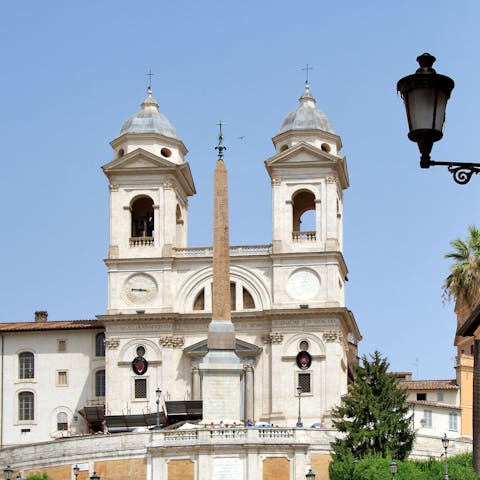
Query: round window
[
  {"x": 140, "y": 351},
  {"x": 166, "y": 152}
]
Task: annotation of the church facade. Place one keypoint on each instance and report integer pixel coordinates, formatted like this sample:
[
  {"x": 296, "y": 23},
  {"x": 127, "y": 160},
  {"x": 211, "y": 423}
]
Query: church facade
[{"x": 294, "y": 335}]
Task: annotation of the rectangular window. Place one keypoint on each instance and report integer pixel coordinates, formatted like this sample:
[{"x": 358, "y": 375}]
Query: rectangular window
[
  {"x": 439, "y": 396},
  {"x": 61, "y": 345},
  {"x": 26, "y": 364},
  {"x": 304, "y": 382},
  {"x": 100, "y": 383},
  {"x": 62, "y": 378},
  {"x": 453, "y": 421},
  {"x": 421, "y": 396},
  {"x": 427, "y": 417},
  {"x": 140, "y": 388},
  {"x": 25, "y": 406}
]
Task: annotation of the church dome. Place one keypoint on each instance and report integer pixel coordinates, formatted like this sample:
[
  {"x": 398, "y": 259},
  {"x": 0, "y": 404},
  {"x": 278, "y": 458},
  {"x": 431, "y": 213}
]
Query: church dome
[
  {"x": 149, "y": 120},
  {"x": 306, "y": 116}
]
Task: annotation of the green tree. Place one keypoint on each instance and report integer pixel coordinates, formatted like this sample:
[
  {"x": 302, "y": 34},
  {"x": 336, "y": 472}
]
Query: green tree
[
  {"x": 373, "y": 415},
  {"x": 38, "y": 476},
  {"x": 463, "y": 283}
]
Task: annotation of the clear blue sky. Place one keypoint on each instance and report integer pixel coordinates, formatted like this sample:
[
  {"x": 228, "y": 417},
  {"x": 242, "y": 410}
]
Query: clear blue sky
[{"x": 73, "y": 71}]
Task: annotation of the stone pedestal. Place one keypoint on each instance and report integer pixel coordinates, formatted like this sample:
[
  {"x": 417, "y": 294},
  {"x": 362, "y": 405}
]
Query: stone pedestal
[{"x": 221, "y": 396}]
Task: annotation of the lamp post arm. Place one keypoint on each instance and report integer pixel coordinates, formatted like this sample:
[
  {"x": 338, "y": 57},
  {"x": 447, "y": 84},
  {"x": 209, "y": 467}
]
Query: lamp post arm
[{"x": 462, "y": 171}]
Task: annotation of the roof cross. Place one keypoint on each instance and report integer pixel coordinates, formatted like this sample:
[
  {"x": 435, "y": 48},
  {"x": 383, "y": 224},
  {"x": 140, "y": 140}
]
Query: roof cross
[
  {"x": 150, "y": 74},
  {"x": 220, "y": 147},
  {"x": 307, "y": 68}
]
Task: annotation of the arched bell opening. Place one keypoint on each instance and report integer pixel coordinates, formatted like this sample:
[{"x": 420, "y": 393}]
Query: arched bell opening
[
  {"x": 304, "y": 216},
  {"x": 143, "y": 223},
  {"x": 180, "y": 226}
]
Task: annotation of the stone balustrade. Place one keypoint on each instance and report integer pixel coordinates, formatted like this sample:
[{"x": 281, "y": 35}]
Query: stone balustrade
[
  {"x": 298, "y": 236},
  {"x": 141, "y": 242},
  {"x": 104, "y": 447},
  {"x": 236, "y": 250}
]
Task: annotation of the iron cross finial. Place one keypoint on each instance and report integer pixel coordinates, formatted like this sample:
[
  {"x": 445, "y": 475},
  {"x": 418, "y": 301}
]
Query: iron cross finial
[
  {"x": 307, "y": 68},
  {"x": 220, "y": 147},
  {"x": 150, "y": 74}
]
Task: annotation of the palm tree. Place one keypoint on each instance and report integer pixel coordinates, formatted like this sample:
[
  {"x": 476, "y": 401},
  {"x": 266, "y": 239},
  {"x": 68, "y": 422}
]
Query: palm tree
[{"x": 463, "y": 285}]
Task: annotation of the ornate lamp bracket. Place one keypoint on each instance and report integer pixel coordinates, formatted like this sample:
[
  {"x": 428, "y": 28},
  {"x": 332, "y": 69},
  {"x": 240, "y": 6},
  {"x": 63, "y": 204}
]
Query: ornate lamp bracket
[{"x": 462, "y": 171}]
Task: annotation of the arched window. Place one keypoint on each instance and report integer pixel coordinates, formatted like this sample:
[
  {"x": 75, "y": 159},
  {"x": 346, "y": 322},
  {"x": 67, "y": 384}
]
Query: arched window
[
  {"x": 26, "y": 365},
  {"x": 304, "y": 221},
  {"x": 199, "y": 303},
  {"x": 248, "y": 301},
  {"x": 100, "y": 344},
  {"x": 100, "y": 383},
  {"x": 142, "y": 218},
  {"x": 26, "y": 406},
  {"x": 233, "y": 296},
  {"x": 62, "y": 421}
]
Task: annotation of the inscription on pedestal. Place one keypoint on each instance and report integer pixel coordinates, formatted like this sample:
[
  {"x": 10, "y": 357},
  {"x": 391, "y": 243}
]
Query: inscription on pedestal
[{"x": 227, "y": 468}]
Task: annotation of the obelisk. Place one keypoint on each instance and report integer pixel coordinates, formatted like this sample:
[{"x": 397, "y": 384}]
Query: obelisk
[{"x": 221, "y": 367}]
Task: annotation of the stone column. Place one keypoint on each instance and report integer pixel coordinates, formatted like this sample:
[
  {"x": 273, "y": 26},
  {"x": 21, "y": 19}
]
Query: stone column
[
  {"x": 249, "y": 393},
  {"x": 196, "y": 384}
]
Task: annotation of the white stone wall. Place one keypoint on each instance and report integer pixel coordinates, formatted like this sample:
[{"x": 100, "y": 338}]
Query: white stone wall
[{"x": 78, "y": 361}]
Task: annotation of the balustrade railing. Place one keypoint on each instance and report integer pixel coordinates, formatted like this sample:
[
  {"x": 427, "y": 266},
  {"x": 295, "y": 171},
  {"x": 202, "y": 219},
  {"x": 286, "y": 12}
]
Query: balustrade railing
[
  {"x": 298, "y": 236},
  {"x": 234, "y": 251},
  {"x": 141, "y": 241}
]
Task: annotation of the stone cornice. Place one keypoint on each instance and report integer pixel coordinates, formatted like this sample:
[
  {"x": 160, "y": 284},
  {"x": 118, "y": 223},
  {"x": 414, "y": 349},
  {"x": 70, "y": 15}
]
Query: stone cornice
[{"x": 149, "y": 136}]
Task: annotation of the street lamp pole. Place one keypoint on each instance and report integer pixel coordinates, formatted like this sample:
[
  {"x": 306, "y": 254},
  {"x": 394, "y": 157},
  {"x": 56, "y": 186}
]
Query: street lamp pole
[
  {"x": 310, "y": 475},
  {"x": 76, "y": 471},
  {"x": 7, "y": 473},
  {"x": 393, "y": 468},
  {"x": 299, "y": 421},
  {"x": 445, "y": 446},
  {"x": 158, "y": 392}
]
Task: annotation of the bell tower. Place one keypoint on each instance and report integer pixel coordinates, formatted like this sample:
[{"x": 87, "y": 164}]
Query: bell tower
[
  {"x": 149, "y": 183},
  {"x": 308, "y": 176}
]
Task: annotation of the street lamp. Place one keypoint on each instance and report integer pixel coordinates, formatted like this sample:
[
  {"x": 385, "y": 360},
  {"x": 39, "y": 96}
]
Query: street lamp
[
  {"x": 310, "y": 475},
  {"x": 425, "y": 94},
  {"x": 445, "y": 441},
  {"x": 393, "y": 468},
  {"x": 7, "y": 473},
  {"x": 158, "y": 393},
  {"x": 76, "y": 471},
  {"x": 94, "y": 476},
  {"x": 299, "y": 421}
]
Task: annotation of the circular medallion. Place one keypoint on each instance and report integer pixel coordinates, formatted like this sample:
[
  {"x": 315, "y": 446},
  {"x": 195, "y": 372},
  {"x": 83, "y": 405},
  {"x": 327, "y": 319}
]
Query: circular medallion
[
  {"x": 303, "y": 284},
  {"x": 140, "y": 288},
  {"x": 304, "y": 360}
]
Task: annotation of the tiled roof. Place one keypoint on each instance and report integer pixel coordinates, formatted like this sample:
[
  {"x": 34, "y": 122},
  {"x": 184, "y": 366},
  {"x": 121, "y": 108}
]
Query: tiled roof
[
  {"x": 426, "y": 403},
  {"x": 60, "y": 325},
  {"x": 428, "y": 384}
]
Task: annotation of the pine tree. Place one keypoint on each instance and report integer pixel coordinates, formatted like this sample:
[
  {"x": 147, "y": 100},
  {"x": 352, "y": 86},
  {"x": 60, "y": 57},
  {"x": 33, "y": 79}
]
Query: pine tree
[{"x": 373, "y": 415}]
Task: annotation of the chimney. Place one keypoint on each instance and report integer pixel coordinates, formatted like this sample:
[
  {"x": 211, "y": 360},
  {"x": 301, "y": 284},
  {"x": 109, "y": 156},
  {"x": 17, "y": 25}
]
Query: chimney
[{"x": 41, "y": 316}]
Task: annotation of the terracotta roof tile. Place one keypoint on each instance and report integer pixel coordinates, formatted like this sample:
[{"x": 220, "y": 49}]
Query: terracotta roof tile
[
  {"x": 60, "y": 325},
  {"x": 428, "y": 384},
  {"x": 426, "y": 403}
]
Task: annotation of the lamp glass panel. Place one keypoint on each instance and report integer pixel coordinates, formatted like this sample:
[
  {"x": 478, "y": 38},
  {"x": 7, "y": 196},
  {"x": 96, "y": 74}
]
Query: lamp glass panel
[
  {"x": 441, "y": 107},
  {"x": 420, "y": 103}
]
